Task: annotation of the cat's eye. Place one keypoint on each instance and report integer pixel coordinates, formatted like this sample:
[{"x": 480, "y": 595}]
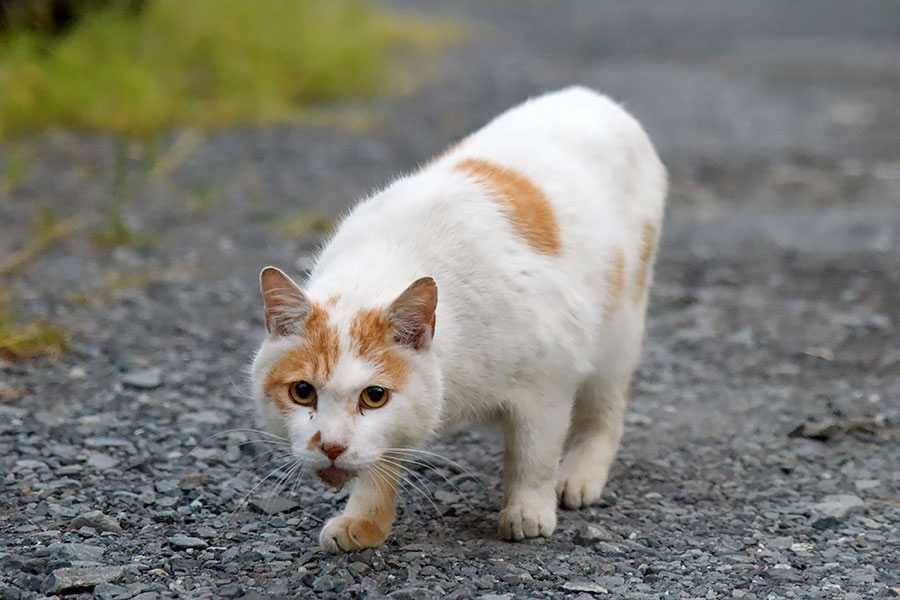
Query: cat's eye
[
  {"x": 373, "y": 396},
  {"x": 303, "y": 393}
]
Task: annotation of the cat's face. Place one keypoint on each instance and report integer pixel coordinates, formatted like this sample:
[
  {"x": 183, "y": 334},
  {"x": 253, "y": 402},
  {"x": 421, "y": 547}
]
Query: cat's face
[{"x": 347, "y": 384}]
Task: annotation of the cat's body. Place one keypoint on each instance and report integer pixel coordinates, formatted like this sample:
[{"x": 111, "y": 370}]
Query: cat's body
[{"x": 539, "y": 231}]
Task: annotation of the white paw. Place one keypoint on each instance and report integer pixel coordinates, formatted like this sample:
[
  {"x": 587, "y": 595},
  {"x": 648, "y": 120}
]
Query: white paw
[
  {"x": 528, "y": 519},
  {"x": 580, "y": 486},
  {"x": 346, "y": 534}
]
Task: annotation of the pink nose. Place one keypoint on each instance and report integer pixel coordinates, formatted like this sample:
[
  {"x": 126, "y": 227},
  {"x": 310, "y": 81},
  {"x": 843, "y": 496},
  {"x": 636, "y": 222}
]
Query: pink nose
[{"x": 332, "y": 451}]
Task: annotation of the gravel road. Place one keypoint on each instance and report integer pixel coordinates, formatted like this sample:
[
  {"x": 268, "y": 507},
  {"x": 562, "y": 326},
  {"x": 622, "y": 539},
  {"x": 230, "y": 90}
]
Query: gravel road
[{"x": 761, "y": 454}]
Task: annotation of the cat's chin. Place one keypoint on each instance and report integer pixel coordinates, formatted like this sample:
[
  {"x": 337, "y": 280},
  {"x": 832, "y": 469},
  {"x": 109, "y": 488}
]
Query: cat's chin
[{"x": 336, "y": 477}]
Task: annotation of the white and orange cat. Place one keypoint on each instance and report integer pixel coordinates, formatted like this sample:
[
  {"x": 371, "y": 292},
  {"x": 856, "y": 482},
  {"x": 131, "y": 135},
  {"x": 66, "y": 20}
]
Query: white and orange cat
[{"x": 506, "y": 280}]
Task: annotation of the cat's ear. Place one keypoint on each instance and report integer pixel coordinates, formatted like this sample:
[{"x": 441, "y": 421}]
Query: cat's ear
[
  {"x": 286, "y": 306},
  {"x": 412, "y": 314}
]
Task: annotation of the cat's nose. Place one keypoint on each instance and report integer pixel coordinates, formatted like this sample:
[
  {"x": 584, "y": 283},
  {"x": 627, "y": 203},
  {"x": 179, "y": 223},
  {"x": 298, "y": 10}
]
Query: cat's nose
[{"x": 332, "y": 450}]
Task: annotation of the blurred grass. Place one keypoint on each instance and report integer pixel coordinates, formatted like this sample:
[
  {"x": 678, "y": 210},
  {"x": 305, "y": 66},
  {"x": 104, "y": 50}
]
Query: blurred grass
[
  {"x": 20, "y": 337},
  {"x": 202, "y": 63},
  {"x": 20, "y": 340}
]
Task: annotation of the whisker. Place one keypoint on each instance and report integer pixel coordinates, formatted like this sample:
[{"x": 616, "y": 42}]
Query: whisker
[
  {"x": 463, "y": 470},
  {"x": 297, "y": 480},
  {"x": 421, "y": 482},
  {"x": 390, "y": 476},
  {"x": 227, "y": 431},
  {"x": 431, "y": 467},
  {"x": 281, "y": 483},
  {"x": 261, "y": 481},
  {"x": 241, "y": 392}
]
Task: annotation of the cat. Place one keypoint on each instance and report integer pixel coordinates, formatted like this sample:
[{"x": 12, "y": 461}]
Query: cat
[{"x": 538, "y": 233}]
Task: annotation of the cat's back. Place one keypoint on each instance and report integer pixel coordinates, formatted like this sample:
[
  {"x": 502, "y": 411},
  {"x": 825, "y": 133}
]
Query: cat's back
[{"x": 572, "y": 141}]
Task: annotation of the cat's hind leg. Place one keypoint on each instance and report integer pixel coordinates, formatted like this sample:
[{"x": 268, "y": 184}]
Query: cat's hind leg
[
  {"x": 367, "y": 518},
  {"x": 598, "y": 419}
]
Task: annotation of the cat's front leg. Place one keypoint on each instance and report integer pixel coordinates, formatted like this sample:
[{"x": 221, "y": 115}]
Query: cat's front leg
[
  {"x": 535, "y": 431},
  {"x": 367, "y": 518}
]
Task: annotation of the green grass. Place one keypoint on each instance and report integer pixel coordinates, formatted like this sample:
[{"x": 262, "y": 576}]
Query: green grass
[
  {"x": 298, "y": 225},
  {"x": 20, "y": 340},
  {"x": 21, "y": 337},
  {"x": 199, "y": 63}
]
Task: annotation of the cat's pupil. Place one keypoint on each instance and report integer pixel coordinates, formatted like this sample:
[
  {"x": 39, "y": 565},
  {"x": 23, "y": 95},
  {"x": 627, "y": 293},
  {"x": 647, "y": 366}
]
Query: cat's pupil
[
  {"x": 303, "y": 390},
  {"x": 376, "y": 393}
]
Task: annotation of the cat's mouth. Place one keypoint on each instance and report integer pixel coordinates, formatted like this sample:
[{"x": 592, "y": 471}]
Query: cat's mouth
[{"x": 334, "y": 476}]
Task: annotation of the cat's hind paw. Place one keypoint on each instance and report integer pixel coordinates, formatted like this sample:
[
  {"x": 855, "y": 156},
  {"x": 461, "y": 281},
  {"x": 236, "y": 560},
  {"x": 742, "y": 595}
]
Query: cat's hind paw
[
  {"x": 580, "y": 487},
  {"x": 347, "y": 534},
  {"x": 522, "y": 520}
]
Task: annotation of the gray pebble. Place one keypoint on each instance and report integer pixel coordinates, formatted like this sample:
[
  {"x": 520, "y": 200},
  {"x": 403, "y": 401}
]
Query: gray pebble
[
  {"x": 73, "y": 579},
  {"x": 274, "y": 505},
  {"x": 102, "y": 462},
  {"x": 180, "y": 541},
  {"x": 144, "y": 379},
  {"x": 584, "y": 586},
  {"x": 98, "y": 521},
  {"x": 836, "y": 507},
  {"x": 76, "y": 551}
]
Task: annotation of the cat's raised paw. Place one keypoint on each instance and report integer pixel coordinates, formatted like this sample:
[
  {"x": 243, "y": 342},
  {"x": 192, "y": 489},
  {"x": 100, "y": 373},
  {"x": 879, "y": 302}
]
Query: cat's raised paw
[
  {"x": 522, "y": 520},
  {"x": 346, "y": 534}
]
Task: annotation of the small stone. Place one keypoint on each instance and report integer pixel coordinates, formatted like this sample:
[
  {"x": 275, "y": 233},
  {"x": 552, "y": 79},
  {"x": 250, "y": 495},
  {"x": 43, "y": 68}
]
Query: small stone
[
  {"x": 591, "y": 534},
  {"x": 323, "y": 583},
  {"x": 194, "y": 479},
  {"x": 73, "y": 579},
  {"x": 783, "y": 574},
  {"x": 168, "y": 501},
  {"x": 206, "y": 454},
  {"x": 207, "y": 532},
  {"x": 781, "y": 543},
  {"x": 866, "y": 484},
  {"x": 359, "y": 567},
  {"x": 144, "y": 379},
  {"x": 585, "y": 586},
  {"x": 8, "y": 393},
  {"x": 835, "y": 508},
  {"x": 181, "y": 542},
  {"x": 165, "y": 486},
  {"x": 823, "y": 429},
  {"x": 76, "y": 551},
  {"x": 495, "y": 597},
  {"x": 96, "y": 520},
  {"x": 102, "y": 461},
  {"x": 109, "y": 591},
  {"x": 274, "y": 505}
]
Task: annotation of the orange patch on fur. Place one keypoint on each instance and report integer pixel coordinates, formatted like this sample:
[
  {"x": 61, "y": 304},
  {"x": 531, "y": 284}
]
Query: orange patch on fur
[
  {"x": 648, "y": 245},
  {"x": 332, "y": 301},
  {"x": 312, "y": 360},
  {"x": 615, "y": 281},
  {"x": 364, "y": 533},
  {"x": 371, "y": 334},
  {"x": 522, "y": 201},
  {"x": 315, "y": 441}
]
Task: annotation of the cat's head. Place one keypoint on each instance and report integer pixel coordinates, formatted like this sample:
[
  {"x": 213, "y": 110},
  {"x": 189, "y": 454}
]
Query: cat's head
[{"x": 347, "y": 383}]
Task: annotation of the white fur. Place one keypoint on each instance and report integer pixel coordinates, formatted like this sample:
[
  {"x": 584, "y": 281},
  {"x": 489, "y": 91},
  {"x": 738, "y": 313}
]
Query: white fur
[{"x": 519, "y": 334}]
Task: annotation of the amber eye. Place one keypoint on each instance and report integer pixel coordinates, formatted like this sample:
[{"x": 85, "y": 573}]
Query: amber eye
[
  {"x": 303, "y": 393},
  {"x": 373, "y": 397}
]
